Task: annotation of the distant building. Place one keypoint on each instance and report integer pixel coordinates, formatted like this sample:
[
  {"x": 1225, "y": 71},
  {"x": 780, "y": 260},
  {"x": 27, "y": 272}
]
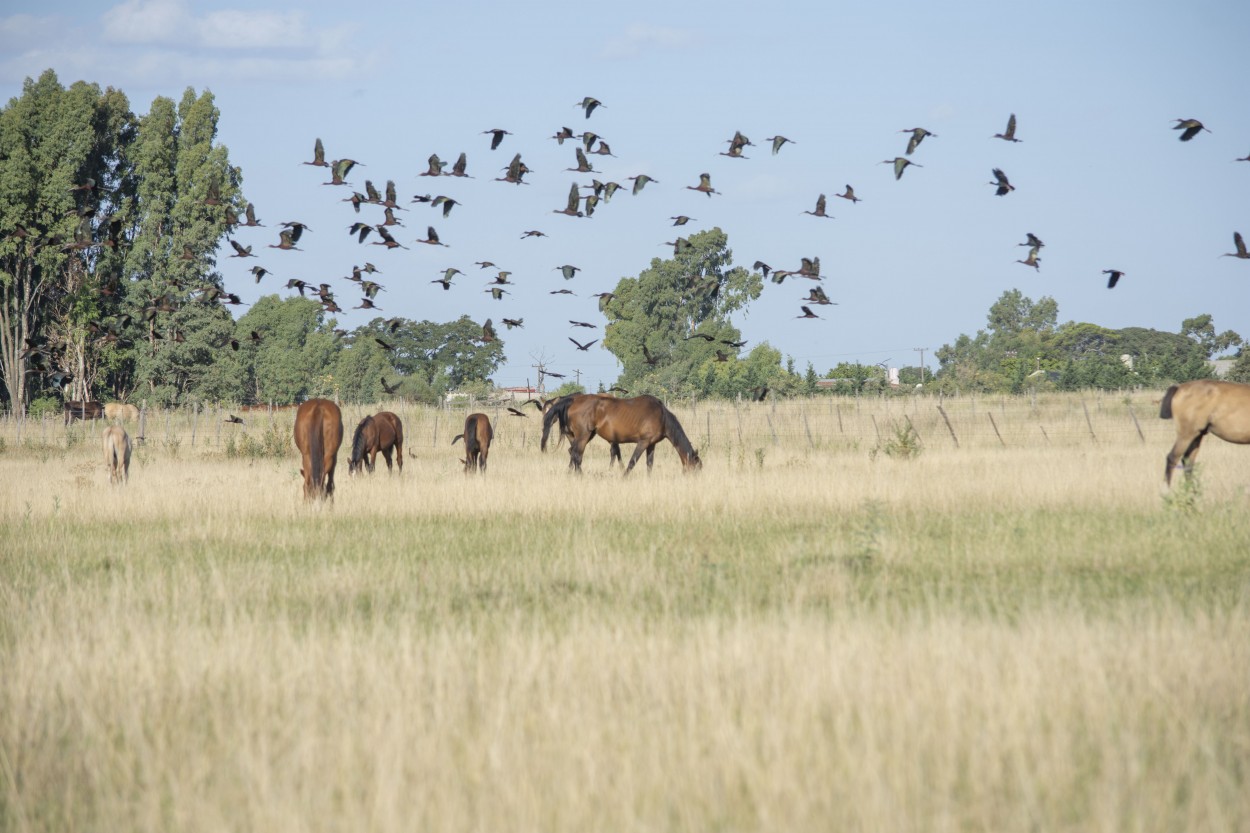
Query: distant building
[{"x": 1221, "y": 367}]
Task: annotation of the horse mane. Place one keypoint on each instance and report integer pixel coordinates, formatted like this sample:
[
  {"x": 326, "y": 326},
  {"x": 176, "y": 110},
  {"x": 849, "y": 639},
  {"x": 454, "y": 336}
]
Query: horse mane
[
  {"x": 674, "y": 432},
  {"x": 358, "y": 440},
  {"x": 1165, "y": 409}
]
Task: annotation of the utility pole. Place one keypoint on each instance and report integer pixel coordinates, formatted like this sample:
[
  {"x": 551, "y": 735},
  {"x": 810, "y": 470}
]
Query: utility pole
[
  {"x": 577, "y": 374},
  {"x": 921, "y": 350}
]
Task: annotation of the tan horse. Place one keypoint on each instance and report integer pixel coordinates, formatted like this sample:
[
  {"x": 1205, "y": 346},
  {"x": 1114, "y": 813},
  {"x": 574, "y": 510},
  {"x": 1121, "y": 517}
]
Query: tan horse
[
  {"x": 383, "y": 432},
  {"x": 117, "y": 454},
  {"x": 477, "y": 436},
  {"x": 1199, "y": 407},
  {"x": 318, "y": 435},
  {"x": 571, "y": 407},
  {"x": 120, "y": 411}
]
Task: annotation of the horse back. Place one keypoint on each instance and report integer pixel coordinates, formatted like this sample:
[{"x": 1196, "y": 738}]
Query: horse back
[
  {"x": 390, "y": 429},
  {"x": 1210, "y": 405}
]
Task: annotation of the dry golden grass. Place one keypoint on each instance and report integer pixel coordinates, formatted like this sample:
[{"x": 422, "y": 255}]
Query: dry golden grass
[{"x": 1015, "y": 634}]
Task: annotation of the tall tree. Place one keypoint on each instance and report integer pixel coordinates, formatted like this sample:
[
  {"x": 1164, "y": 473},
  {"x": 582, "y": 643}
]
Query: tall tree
[
  {"x": 653, "y": 319},
  {"x": 293, "y": 349},
  {"x": 65, "y": 189}
]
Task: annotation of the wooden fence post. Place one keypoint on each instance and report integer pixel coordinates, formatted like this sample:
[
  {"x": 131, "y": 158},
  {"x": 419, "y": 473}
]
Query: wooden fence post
[
  {"x": 947, "y": 420},
  {"x": 996, "y": 434},
  {"x": 1135, "y": 424}
]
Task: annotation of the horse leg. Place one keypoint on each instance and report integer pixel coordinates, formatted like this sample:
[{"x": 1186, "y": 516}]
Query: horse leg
[
  {"x": 650, "y": 457},
  {"x": 386, "y": 455},
  {"x": 399, "y": 454},
  {"x": 576, "y": 448},
  {"x": 481, "y": 460},
  {"x": 1181, "y": 456},
  {"x": 633, "y": 458}
]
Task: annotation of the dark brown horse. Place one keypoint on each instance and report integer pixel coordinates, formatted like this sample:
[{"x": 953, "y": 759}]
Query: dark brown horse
[
  {"x": 642, "y": 419},
  {"x": 1199, "y": 407},
  {"x": 318, "y": 435},
  {"x": 477, "y": 436},
  {"x": 558, "y": 410},
  {"x": 383, "y": 432}
]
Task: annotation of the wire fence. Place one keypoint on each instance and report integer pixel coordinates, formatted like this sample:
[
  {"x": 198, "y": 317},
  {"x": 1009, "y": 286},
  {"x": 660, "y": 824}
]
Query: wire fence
[{"x": 827, "y": 422}]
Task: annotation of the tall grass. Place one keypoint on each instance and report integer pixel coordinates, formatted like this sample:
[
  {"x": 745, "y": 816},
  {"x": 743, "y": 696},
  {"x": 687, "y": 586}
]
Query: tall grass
[{"x": 1013, "y": 634}]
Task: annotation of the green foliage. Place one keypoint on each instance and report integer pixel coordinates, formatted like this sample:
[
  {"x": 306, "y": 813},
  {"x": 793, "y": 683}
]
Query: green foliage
[
  {"x": 1186, "y": 492},
  {"x": 903, "y": 443},
  {"x": 566, "y": 389},
  {"x": 273, "y": 443},
  {"x": 44, "y": 406},
  {"x": 296, "y": 347},
  {"x": 660, "y": 312}
]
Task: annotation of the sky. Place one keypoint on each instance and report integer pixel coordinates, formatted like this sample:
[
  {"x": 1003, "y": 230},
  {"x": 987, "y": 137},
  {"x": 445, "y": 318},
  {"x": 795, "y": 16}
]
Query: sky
[{"x": 1099, "y": 172}]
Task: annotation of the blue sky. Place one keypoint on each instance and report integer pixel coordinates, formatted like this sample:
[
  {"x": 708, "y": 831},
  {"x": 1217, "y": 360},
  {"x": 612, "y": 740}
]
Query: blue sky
[{"x": 1100, "y": 175}]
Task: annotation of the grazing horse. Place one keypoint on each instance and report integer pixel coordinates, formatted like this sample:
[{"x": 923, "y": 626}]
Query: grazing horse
[
  {"x": 117, "y": 454},
  {"x": 381, "y": 432},
  {"x": 642, "y": 419},
  {"x": 477, "y": 436},
  {"x": 84, "y": 409},
  {"x": 1199, "y": 407},
  {"x": 558, "y": 410},
  {"x": 318, "y": 435}
]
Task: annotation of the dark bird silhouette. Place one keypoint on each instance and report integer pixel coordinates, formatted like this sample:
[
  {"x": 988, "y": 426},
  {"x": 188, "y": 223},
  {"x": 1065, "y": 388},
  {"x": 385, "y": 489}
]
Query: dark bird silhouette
[
  {"x": 361, "y": 230},
  {"x": 515, "y": 171},
  {"x": 319, "y": 155},
  {"x": 736, "y": 144},
  {"x": 446, "y": 202},
  {"x": 759, "y": 394},
  {"x": 763, "y": 267},
  {"x": 241, "y": 250},
  {"x": 296, "y": 283},
  {"x": 249, "y": 215},
  {"x": 561, "y": 292},
  {"x": 564, "y": 133},
  {"x": 1240, "y": 245},
  {"x": 581, "y": 324},
  {"x": 514, "y": 412},
  {"x": 604, "y": 298},
  {"x": 533, "y": 233},
  {"x": 573, "y": 209},
  {"x": 366, "y": 303},
  {"x": 900, "y": 164},
  {"x": 461, "y": 166},
  {"x": 1010, "y": 133},
  {"x": 722, "y": 356},
  {"x": 679, "y": 245},
  {"x": 651, "y": 360},
  {"x": 484, "y": 264},
  {"x": 390, "y": 390},
  {"x": 1191, "y": 128},
  {"x": 1032, "y": 241},
  {"x": 388, "y": 218},
  {"x": 387, "y": 347},
  {"x": 372, "y": 195},
  {"x": 1113, "y": 277},
  {"x": 641, "y": 180},
  {"x": 488, "y": 332},
  {"x": 589, "y": 104},
  {"x": 817, "y": 296},
  {"x": 233, "y": 420},
  {"x": 444, "y": 281},
  {"x": 581, "y": 346},
  {"x": 259, "y": 272},
  {"x": 918, "y": 135},
  {"x": 681, "y": 220},
  {"x": 1245, "y": 158},
  {"x": 583, "y": 164},
  {"x": 496, "y": 136},
  {"x": 704, "y": 186},
  {"x": 393, "y": 325},
  {"x": 1000, "y": 183},
  {"x": 431, "y": 237},
  {"x": 497, "y": 292},
  {"x": 704, "y": 336},
  {"x": 778, "y": 141},
  {"x": 734, "y": 344},
  {"x": 820, "y": 208},
  {"x": 807, "y": 313},
  {"x": 256, "y": 337},
  {"x": 567, "y": 271},
  {"x": 602, "y": 150},
  {"x": 297, "y": 229},
  {"x": 1032, "y": 260},
  {"x": 392, "y": 198},
  {"x": 387, "y": 240},
  {"x": 513, "y": 322}
]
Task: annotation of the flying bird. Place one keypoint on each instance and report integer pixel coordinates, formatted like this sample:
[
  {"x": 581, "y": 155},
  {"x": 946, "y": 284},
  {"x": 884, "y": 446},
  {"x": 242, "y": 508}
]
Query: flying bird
[
  {"x": 848, "y": 194},
  {"x": 1032, "y": 260},
  {"x": 900, "y": 164},
  {"x": 434, "y": 166},
  {"x": 704, "y": 186},
  {"x": 241, "y": 250},
  {"x": 446, "y": 202},
  {"x": 918, "y": 135},
  {"x": 461, "y": 165},
  {"x": 259, "y": 272},
  {"x": 1002, "y": 186},
  {"x": 1032, "y": 241},
  {"x": 680, "y": 220},
  {"x": 383, "y": 344},
  {"x": 339, "y": 169},
  {"x": 496, "y": 135},
  {"x": 1113, "y": 278},
  {"x": 704, "y": 336},
  {"x": 286, "y": 241},
  {"x": 319, "y": 155},
  {"x": 581, "y": 346},
  {"x": 488, "y": 331},
  {"x": 533, "y": 233},
  {"x": 389, "y": 389},
  {"x": 641, "y": 180},
  {"x": 567, "y": 271},
  {"x": 1240, "y": 245},
  {"x": 1191, "y": 128},
  {"x": 513, "y": 322},
  {"x": 778, "y": 141},
  {"x": 589, "y": 104},
  {"x": 387, "y": 240},
  {"x": 515, "y": 412},
  {"x": 573, "y": 208},
  {"x": 581, "y": 324},
  {"x": 431, "y": 237},
  {"x": 807, "y": 313},
  {"x": 820, "y": 208},
  {"x": 1010, "y": 133}
]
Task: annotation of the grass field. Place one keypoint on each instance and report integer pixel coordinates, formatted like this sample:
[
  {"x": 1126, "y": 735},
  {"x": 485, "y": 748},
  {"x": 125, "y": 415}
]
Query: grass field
[{"x": 844, "y": 622}]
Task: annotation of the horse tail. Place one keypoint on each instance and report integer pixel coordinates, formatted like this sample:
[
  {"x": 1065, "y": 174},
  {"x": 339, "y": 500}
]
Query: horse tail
[
  {"x": 316, "y": 454},
  {"x": 456, "y": 439},
  {"x": 358, "y": 441},
  {"x": 472, "y": 439},
  {"x": 1165, "y": 410},
  {"x": 559, "y": 411}
]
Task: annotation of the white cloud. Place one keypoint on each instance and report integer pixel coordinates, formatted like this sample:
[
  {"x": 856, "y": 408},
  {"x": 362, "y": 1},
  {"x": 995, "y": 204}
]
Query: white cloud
[
  {"x": 148, "y": 21},
  {"x": 640, "y": 37},
  {"x": 236, "y": 29}
]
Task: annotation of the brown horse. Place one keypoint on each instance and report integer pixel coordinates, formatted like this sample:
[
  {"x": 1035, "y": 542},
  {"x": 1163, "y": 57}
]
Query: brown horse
[
  {"x": 117, "y": 454},
  {"x": 642, "y": 419},
  {"x": 477, "y": 436},
  {"x": 1199, "y": 407},
  {"x": 318, "y": 435},
  {"x": 383, "y": 432},
  {"x": 558, "y": 410}
]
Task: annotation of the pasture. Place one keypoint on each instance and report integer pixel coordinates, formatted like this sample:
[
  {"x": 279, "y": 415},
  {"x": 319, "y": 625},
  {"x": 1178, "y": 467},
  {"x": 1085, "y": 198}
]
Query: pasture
[{"x": 843, "y": 622}]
